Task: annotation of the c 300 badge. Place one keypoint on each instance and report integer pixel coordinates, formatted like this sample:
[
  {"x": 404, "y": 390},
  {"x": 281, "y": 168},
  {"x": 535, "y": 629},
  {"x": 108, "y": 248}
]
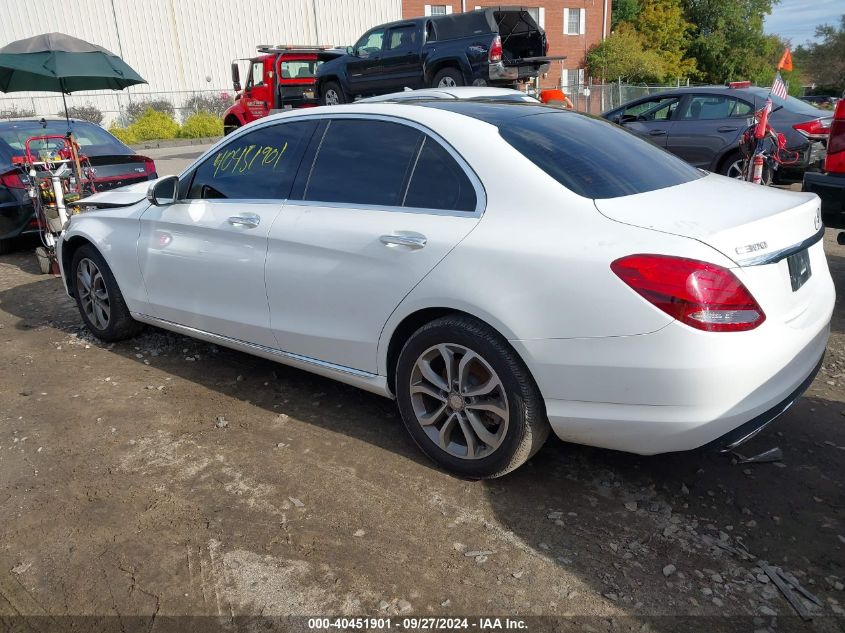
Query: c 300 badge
[{"x": 751, "y": 248}]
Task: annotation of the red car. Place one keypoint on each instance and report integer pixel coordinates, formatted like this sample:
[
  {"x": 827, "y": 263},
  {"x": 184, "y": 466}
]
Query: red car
[
  {"x": 830, "y": 186},
  {"x": 281, "y": 78}
]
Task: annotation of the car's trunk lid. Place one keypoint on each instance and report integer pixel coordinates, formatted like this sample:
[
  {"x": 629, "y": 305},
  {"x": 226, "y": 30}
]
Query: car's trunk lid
[
  {"x": 747, "y": 223},
  {"x": 770, "y": 234}
]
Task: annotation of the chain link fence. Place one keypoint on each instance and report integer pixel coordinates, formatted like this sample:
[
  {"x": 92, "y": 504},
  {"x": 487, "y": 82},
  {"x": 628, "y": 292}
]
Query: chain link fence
[
  {"x": 598, "y": 98},
  {"x": 115, "y": 107}
]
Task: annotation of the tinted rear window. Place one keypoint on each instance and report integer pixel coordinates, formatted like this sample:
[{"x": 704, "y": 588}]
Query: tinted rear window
[
  {"x": 594, "y": 158},
  {"x": 790, "y": 103},
  {"x": 93, "y": 140}
]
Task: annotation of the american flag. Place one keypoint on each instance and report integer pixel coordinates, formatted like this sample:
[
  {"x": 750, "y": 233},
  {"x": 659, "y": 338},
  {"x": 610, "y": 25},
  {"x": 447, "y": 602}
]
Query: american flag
[{"x": 779, "y": 88}]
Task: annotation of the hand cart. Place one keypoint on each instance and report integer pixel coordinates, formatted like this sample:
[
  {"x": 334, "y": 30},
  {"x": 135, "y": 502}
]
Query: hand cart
[{"x": 57, "y": 176}]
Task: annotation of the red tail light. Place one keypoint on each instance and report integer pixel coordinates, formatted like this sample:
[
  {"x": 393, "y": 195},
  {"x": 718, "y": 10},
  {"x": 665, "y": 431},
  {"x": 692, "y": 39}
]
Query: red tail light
[
  {"x": 835, "y": 161},
  {"x": 149, "y": 165},
  {"x": 815, "y": 129},
  {"x": 496, "y": 50},
  {"x": 12, "y": 180},
  {"x": 704, "y": 296}
]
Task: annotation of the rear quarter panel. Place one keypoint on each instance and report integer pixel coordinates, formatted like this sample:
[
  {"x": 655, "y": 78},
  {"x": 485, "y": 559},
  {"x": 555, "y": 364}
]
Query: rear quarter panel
[{"x": 537, "y": 266}]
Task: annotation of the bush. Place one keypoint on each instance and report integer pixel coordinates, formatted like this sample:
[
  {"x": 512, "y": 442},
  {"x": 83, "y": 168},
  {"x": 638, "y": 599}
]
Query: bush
[
  {"x": 212, "y": 104},
  {"x": 123, "y": 134},
  {"x": 150, "y": 126},
  {"x": 200, "y": 125},
  {"x": 16, "y": 113},
  {"x": 85, "y": 112},
  {"x": 137, "y": 109}
]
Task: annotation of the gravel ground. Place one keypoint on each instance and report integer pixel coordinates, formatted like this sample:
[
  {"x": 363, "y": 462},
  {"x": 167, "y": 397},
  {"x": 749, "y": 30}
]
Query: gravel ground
[{"x": 165, "y": 476}]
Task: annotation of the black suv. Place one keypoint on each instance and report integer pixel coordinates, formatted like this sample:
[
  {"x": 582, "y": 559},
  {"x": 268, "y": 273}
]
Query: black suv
[{"x": 495, "y": 46}]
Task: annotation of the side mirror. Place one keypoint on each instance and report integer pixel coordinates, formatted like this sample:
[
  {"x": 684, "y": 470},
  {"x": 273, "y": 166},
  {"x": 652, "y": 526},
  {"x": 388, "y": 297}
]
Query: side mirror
[
  {"x": 236, "y": 77},
  {"x": 164, "y": 191},
  {"x": 350, "y": 50}
]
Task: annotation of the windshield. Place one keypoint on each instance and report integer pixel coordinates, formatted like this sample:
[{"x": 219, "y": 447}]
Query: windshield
[
  {"x": 594, "y": 158},
  {"x": 790, "y": 103},
  {"x": 301, "y": 69},
  {"x": 93, "y": 140}
]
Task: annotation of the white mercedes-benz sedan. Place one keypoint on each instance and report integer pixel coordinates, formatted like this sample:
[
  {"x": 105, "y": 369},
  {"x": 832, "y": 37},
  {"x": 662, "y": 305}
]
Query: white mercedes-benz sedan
[{"x": 502, "y": 270}]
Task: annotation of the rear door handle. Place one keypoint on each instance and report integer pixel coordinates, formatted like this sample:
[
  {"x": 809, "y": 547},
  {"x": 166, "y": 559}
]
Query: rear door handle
[
  {"x": 657, "y": 132},
  {"x": 249, "y": 220},
  {"x": 727, "y": 128},
  {"x": 413, "y": 241}
]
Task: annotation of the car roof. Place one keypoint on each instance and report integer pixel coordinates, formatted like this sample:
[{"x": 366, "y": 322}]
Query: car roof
[
  {"x": 457, "y": 92},
  {"x": 48, "y": 119}
]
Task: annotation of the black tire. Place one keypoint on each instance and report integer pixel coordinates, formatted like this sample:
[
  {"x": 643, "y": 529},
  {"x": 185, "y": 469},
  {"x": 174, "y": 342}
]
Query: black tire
[
  {"x": 728, "y": 168},
  {"x": 445, "y": 74},
  {"x": 332, "y": 94},
  {"x": 120, "y": 325},
  {"x": 526, "y": 428}
]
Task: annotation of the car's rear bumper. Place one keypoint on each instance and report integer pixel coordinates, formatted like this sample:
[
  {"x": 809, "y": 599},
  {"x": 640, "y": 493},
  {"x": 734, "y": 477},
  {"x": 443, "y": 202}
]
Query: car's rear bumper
[
  {"x": 676, "y": 389},
  {"x": 831, "y": 189},
  {"x": 16, "y": 219}
]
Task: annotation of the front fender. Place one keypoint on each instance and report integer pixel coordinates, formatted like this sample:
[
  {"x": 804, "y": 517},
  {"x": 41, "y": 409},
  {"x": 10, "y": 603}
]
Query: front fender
[{"x": 114, "y": 233}]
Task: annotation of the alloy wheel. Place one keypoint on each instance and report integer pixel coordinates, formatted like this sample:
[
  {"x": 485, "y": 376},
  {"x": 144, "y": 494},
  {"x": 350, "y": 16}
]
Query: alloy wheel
[
  {"x": 447, "y": 82},
  {"x": 736, "y": 170},
  {"x": 93, "y": 294},
  {"x": 332, "y": 98},
  {"x": 459, "y": 401}
]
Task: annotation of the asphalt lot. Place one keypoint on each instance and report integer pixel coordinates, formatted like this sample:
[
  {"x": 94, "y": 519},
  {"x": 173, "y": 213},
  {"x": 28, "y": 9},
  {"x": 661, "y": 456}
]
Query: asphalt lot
[
  {"x": 124, "y": 495},
  {"x": 170, "y": 161}
]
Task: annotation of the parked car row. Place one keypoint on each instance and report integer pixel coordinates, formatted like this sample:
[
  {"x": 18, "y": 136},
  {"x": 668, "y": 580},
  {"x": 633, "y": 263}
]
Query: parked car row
[
  {"x": 618, "y": 296},
  {"x": 704, "y": 126}
]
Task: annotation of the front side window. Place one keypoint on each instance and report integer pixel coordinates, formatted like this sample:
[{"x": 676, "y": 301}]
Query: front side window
[
  {"x": 594, "y": 158},
  {"x": 654, "y": 110},
  {"x": 369, "y": 162},
  {"x": 370, "y": 44},
  {"x": 258, "y": 165},
  {"x": 256, "y": 77}
]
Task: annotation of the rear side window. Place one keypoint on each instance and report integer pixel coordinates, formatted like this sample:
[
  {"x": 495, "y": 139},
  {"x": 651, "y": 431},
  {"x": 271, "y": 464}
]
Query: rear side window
[
  {"x": 370, "y": 162},
  {"x": 438, "y": 182},
  {"x": 258, "y": 165},
  {"x": 363, "y": 162},
  {"x": 594, "y": 158}
]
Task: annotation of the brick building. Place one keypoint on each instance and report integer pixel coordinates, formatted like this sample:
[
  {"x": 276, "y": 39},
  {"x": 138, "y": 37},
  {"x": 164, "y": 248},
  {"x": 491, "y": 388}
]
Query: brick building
[{"x": 572, "y": 27}]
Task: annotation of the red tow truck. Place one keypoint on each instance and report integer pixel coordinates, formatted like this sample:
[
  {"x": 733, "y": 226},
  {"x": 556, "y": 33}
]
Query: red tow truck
[
  {"x": 830, "y": 186},
  {"x": 279, "y": 78}
]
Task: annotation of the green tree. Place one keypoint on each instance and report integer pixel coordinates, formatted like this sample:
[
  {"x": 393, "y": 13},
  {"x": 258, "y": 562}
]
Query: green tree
[
  {"x": 728, "y": 42},
  {"x": 823, "y": 63},
  {"x": 623, "y": 11},
  {"x": 623, "y": 56},
  {"x": 663, "y": 30}
]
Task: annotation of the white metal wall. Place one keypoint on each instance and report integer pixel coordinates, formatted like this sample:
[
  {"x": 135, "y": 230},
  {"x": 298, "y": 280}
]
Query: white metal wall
[{"x": 186, "y": 45}]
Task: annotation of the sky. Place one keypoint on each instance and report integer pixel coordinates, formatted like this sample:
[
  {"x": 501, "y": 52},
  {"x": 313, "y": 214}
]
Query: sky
[{"x": 797, "y": 19}]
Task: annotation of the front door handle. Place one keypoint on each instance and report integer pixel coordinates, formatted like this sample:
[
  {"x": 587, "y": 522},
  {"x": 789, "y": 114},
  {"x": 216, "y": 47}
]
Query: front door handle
[
  {"x": 413, "y": 241},
  {"x": 249, "y": 220},
  {"x": 727, "y": 128},
  {"x": 657, "y": 132}
]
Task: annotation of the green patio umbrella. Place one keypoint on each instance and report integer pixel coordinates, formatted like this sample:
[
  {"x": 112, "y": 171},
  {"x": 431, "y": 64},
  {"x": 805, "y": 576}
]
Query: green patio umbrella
[{"x": 55, "y": 62}]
